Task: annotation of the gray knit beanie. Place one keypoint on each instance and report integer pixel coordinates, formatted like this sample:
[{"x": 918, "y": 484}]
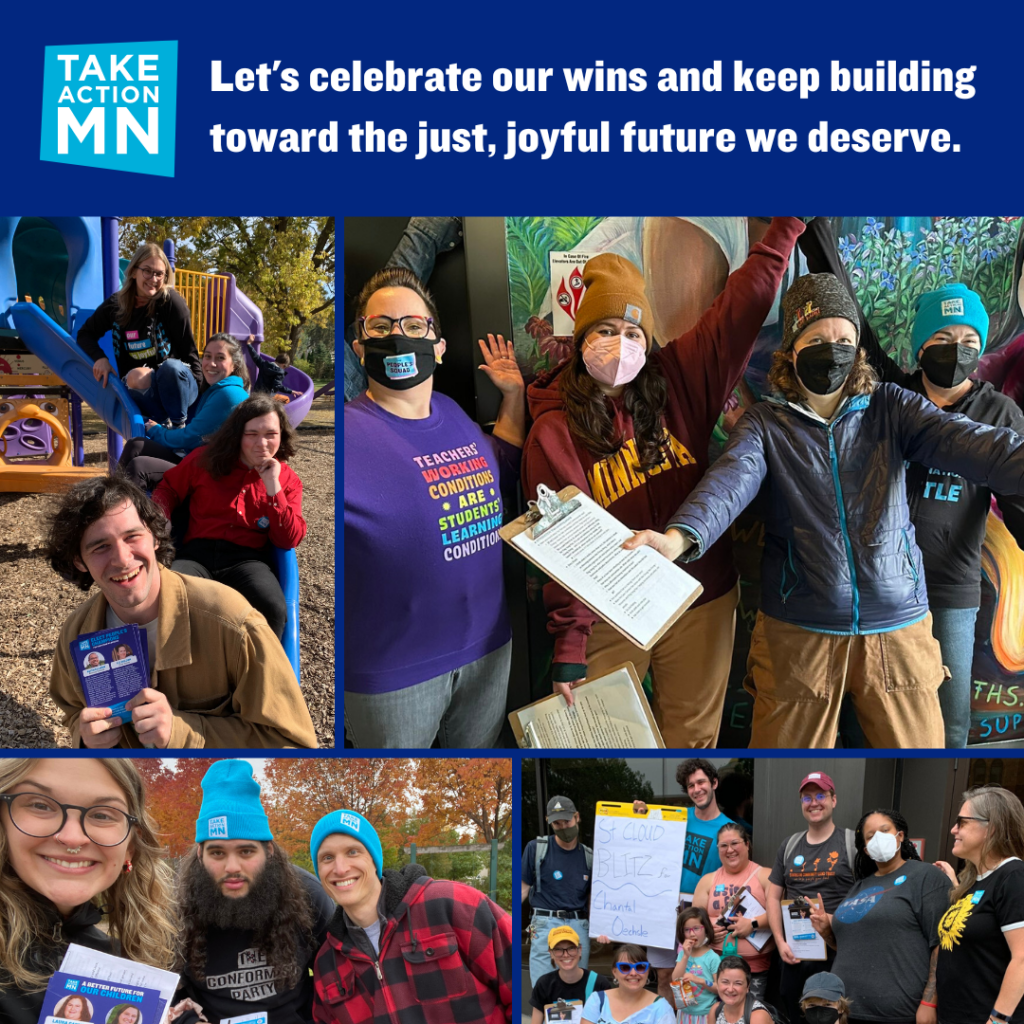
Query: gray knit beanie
[{"x": 815, "y": 297}]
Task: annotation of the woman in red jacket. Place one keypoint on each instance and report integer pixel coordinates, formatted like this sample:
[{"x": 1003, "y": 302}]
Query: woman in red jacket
[
  {"x": 629, "y": 425},
  {"x": 242, "y": 498}
]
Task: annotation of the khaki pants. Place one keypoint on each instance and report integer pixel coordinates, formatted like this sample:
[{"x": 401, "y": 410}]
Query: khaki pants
[
  {"x": 798, "y": 679},
  {"x": 689, "y": 665}
]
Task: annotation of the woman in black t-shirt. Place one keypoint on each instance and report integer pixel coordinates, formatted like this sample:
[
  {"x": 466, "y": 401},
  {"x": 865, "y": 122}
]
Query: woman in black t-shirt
[
  {"x": 569, "y": 981},
  {"x": 154, "y": 348},
  {"x": 980, "y": 973}
]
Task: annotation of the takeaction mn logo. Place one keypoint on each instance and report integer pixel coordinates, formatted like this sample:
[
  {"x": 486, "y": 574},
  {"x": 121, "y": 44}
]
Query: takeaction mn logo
[{"x": 111, "y": 105}]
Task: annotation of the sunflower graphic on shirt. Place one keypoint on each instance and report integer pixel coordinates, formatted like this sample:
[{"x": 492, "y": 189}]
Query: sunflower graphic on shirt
[{"x": 954, "y": 921}]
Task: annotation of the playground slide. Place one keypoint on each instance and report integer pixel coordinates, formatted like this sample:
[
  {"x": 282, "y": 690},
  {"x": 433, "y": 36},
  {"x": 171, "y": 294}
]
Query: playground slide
[
  {"x": 245, "y": 318},
  {"x": 58, "y": 351},
  {"x": 287, "y": 567}
]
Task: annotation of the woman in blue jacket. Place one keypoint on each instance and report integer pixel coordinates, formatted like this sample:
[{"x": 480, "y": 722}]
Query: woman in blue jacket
[
  {"x": 844, "y": 606},
  {"x": 225, "y": 385}
]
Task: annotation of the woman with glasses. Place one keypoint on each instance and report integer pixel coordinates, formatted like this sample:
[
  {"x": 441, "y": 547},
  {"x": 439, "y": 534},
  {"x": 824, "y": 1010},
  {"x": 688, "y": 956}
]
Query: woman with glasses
[
  {"x": 243, "y": 497},
  {"x": 428, "y": 649},
  {"x": 75, "y": 845},
  {"x": 630, "y": 1002},
  {"x": 224, "y": 386},
  {"x": 568, "y": 982},
  {"x": 715, "y": 892},
  {"x": 980, "y": 974},
  {"x": 885, "y": 932},
  {"x": 151, "y": 332},
  {"x": 737, "y": 1004}
]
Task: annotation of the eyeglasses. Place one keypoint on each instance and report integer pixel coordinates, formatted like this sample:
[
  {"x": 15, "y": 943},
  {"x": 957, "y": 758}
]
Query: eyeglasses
[
  {"x": 966, "y": 817},
  {"x": 152, "y": 275},
  {"x": 693, "y": 931},
  {"x": 641, "y": 967},
  {"x": 732, "y": 845},
  {"x": 40, "y": 817},
  {"x": 571, "y": 951},
  {"x": 818, "y": 798},
  {"x": 409, "y": 326}
]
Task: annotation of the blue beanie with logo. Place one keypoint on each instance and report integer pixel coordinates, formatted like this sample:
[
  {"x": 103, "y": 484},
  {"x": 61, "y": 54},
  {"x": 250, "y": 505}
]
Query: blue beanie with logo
[
  {"x": 348, "y": 823},
  {"x": 948, "y": 305},
  {"x": 231, "y": 804}
]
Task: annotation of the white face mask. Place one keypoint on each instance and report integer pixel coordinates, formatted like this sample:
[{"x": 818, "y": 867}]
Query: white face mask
[{"x": 882, "y": 847}]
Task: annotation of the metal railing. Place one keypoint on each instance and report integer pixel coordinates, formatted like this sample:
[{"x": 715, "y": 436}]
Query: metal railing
[{"x": 206, "y": 296}]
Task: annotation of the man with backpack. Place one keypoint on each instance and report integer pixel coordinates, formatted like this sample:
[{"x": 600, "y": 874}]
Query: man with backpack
[
  {"x": 816, "y": 862},
  {"x": 556, "y": 878}
]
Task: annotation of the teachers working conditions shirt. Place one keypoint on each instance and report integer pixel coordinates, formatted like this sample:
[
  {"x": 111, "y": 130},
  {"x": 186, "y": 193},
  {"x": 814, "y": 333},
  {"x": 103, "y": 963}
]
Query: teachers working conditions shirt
[
  {"x": 973, "y": 952},
  {"x": 423, "y": 577}
]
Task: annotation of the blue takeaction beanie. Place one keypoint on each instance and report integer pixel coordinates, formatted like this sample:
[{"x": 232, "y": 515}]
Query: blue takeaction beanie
[
  {"x": 348, "y": 823},
  {"x": 950, "y": 304},
  {"x": 231, "y": 804}
]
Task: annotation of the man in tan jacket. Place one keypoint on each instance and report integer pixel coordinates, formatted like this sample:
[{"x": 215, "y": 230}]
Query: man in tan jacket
[{"x": 218, "y": 674}]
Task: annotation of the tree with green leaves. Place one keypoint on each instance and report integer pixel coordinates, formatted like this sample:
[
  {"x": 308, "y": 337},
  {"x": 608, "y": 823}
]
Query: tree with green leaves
[{"x": 284, "y": 264}]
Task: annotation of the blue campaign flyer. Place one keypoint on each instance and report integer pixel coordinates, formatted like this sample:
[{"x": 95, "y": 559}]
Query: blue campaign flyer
[
  {"x": 71, "y": 998},
  {"x": 113, "y": 666}
]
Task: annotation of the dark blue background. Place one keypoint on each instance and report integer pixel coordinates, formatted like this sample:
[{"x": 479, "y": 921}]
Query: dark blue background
[{"x": 488, "y": 35}]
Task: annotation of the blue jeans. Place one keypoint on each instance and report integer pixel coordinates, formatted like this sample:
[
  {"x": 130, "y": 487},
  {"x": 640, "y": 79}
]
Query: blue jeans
[
  {"x": 954, "y": 629},
  {"x": 540, "y": 955},
  {"x": 461, "y": 708},
  {"x": 170, "y": 394}
]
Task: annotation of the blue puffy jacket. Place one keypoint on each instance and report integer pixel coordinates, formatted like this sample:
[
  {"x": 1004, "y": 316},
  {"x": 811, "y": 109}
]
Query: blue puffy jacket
[
  {"x": 212, "y": 409},
  {"x": 839, "y": 549}
]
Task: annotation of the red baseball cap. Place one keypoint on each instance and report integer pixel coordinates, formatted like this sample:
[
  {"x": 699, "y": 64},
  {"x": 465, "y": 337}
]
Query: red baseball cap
[{"x": 821, "y": 780}]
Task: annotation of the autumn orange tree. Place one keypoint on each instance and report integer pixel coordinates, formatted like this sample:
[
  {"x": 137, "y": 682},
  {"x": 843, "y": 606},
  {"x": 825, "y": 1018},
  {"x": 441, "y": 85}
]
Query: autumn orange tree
[
  {"x": 173, "y": 798},
  {"x": 472, "y": 796},
  {"x": 303, "y": 790}
]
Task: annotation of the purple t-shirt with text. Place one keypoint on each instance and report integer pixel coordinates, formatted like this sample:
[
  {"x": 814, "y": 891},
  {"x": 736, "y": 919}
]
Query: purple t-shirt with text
[{"x": 423, "y": 564}]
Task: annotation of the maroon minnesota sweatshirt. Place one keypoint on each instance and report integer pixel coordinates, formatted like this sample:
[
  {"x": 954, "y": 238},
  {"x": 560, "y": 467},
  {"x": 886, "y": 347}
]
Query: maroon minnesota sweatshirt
[{"x": 701, "y": 368}]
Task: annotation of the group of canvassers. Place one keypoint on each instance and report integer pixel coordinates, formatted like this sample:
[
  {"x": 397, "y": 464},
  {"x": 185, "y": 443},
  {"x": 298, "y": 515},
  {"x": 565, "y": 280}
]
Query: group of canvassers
[
  {"x": 867, "y": 580},
  {"x": 211, "y": 609},
  {"x": 247, "y": 931},
  {"x": 907, "y": 942}
]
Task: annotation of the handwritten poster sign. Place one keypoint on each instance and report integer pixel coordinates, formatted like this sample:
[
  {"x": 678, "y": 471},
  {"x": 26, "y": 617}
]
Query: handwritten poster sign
[{"x": 638, "y": 860}]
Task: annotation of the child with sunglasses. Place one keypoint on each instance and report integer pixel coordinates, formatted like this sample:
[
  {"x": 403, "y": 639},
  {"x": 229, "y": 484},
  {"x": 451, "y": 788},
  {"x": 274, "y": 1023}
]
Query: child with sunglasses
[
  {"x": 630, "y": 1002},
  {"x": 693, "y": 979}
]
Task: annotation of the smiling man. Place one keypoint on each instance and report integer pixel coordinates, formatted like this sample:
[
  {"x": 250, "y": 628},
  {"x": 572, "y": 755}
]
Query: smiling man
[
  {"x": 403, "y": 948},
  {"x": 812, "y": 863},
  {"x": 252, "y": 922},
  {"x": 218, "y": 675}
]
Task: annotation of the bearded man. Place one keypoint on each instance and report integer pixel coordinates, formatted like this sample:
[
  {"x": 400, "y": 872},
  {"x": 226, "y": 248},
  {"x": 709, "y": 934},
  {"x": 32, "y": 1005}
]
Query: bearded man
[{"x": 251, "y": 921}]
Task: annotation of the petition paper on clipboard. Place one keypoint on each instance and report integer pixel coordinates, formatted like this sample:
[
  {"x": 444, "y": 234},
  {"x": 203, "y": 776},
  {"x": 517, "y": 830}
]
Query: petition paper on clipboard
[{"x": 638, "y": 592}]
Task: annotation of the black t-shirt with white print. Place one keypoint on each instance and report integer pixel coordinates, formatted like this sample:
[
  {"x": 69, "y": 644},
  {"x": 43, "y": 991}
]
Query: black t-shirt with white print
[{"x": 973, "y": 952}]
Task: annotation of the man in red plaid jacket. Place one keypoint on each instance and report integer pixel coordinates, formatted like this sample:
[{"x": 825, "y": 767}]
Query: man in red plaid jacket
[{"x": 403, "y": 948}]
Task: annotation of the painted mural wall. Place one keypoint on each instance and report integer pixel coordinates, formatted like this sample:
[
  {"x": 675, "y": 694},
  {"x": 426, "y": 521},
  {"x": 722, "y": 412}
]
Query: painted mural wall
[{"x": 891, "y": 260}]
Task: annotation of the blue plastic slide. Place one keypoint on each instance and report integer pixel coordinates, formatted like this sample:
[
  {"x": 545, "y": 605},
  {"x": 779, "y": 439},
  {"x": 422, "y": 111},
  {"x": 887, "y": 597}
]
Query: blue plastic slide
[
  {"x": 52, "y": 344},
  {"x": 287, "y": 567}
]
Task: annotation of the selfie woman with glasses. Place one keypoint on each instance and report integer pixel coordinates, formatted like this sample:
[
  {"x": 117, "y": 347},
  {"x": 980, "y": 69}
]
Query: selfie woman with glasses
[
  {"x": 630, "y": 1002},
  {"x": 885, "y": 932},
  {"x": 980, "y": 972},
  {"x": 151, "y": 332},
  {"x": 75, "y": 845},
  {"x": 428, "y": 649},
  {"x": 715, "y": 892}
]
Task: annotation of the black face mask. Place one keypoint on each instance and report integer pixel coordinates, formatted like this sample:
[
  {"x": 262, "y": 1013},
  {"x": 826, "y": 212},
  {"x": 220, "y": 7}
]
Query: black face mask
[
  {"x": 567, "y": 834},
  {"x": 398, "y": 362},
  {"x": 821, "y": 1015},
  {"x": 946, "y": 366},
  {"x": 823, "y": 368}
]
